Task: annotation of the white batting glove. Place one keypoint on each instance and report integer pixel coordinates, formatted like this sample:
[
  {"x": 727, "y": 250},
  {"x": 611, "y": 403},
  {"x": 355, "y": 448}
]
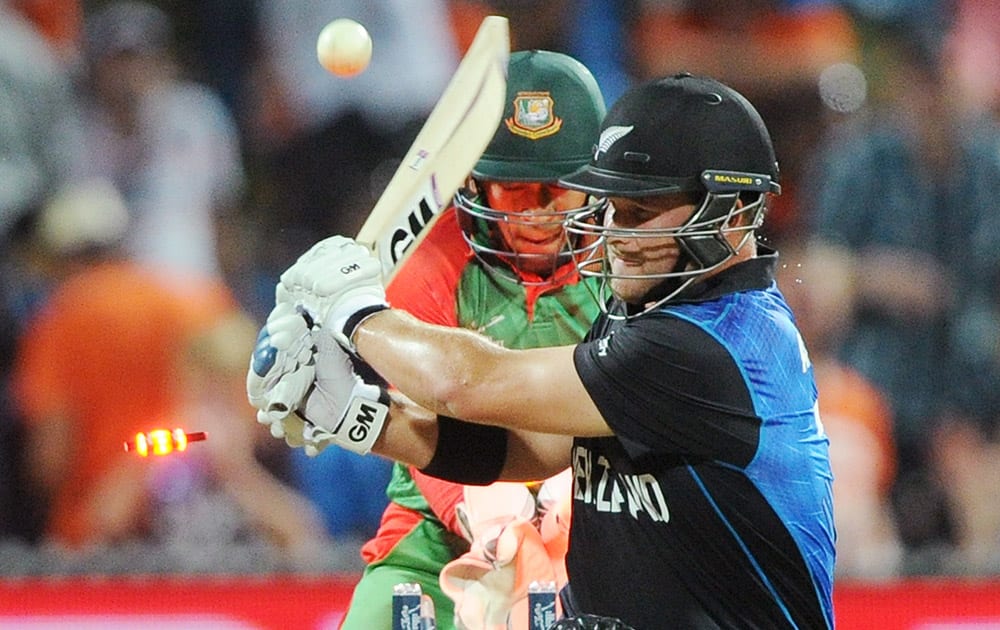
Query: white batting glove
[
  {"x": 342, "y": 408},
  {"x": 281, "y": 368},
  {"x": 337, "y": 283}
]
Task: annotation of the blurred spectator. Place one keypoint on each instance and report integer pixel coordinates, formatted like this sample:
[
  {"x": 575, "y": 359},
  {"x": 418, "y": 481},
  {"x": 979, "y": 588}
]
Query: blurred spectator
[
  {"x": 219, "y": 492},
  {"x": 60, "y": 22},
  {"x": 38, "y": 125},
  {"x": 965, "y": 444},
  {"x": 966, "y": 458},
  {"x": 40, "y": 121},
  {"x": 216, "y": 41},
  {"x": 600, "y": 30},
  {"x": 773, "y": 51},
  {"x": 972, "y": 48},
  {"x": 168, "y": 144},
  {"x": 533, "y": 25},
  {"x": 903, "y": 209},
  {"x": 114, "y": 351},
  {"x": 857, "y": 418}
]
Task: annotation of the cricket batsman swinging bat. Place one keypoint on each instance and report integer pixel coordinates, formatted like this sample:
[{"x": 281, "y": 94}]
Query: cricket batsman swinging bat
[{"x": 450, "y": 143}]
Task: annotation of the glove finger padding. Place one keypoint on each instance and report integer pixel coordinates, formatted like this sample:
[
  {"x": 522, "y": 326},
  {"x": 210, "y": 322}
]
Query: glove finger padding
[
  {"x": 319, "y": 279},
  {"x": 355, "y": 264},
  {"x": 479, "y": 592},
  {"x": 489, "y": 584},
  {"x": 554, "y": 489},
  {"x": 281, "y": 369},
  {"x": 555, "y": 501},
  {"x": 286, "y": 396},
  {"x": 554, "y": 530},
  {"x": 288, "y": 331}
]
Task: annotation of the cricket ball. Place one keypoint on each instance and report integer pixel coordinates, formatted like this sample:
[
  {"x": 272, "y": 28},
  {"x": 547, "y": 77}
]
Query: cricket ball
[{"x": 344, "y": 47}]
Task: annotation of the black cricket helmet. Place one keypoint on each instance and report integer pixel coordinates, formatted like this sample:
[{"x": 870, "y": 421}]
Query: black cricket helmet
[{"x": 551, "y": 119}]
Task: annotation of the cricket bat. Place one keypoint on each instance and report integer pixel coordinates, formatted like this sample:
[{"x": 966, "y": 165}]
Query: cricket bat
[{"x": 456, "y": 133}]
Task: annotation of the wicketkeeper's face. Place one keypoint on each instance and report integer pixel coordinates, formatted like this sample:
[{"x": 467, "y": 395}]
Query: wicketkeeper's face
[{"x": 534, "y": 226}]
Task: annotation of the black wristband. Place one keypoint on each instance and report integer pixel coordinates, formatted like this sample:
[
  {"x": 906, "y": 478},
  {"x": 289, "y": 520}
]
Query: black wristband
[
  {"x": 359, "y": 316},
  {"x": 468, "y": 453}
]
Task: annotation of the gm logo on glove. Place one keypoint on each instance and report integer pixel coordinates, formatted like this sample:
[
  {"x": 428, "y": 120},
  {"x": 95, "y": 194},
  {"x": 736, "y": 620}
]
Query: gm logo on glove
[{"x": 361, "y": 425}]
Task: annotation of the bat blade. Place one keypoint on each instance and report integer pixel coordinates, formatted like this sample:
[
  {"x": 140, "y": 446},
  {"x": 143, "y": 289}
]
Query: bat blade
[{"x": 456, "y": 133}]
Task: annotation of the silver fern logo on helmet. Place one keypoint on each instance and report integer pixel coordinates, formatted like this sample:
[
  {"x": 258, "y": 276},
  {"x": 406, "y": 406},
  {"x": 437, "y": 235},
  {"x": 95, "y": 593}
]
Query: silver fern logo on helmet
[{"x": 610, "y": 136}]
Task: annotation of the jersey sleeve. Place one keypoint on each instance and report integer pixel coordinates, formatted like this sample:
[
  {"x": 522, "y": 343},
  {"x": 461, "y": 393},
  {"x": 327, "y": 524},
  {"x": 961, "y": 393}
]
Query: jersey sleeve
[
  {"x": 665, "y": 386},
  {"x": 426, "y": 284}
]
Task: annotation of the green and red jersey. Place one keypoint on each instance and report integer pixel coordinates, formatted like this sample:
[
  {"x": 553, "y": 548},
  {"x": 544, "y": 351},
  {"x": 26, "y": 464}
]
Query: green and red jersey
[{"x": 442, "y": 282}]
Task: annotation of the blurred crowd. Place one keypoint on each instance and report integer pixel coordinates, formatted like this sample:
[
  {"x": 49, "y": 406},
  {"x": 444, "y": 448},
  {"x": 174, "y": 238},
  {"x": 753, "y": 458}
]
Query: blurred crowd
[{"x": 162, "y": 161}]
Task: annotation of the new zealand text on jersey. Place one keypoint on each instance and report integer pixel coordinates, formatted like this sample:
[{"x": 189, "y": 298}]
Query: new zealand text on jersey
[{"x": 608, "y": 490}]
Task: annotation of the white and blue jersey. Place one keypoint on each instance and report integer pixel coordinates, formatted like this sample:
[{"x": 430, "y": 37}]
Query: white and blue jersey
[{"x": 711, "y": 507}]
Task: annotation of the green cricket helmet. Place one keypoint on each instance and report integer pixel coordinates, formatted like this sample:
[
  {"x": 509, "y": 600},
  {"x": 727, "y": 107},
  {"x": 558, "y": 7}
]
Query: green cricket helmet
[{"x": 551, "y": 122}]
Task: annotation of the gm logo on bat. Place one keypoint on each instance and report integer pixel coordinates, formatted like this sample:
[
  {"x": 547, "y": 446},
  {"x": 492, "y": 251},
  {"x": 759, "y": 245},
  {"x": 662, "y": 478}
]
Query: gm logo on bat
[
  {"x": 405, "y": 236},
  {"x": 405, "y": 227}
]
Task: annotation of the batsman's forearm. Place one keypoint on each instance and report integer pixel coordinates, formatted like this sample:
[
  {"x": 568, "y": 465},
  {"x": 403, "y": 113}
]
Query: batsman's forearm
[
  {"x": 410, "y": 433},
  {"x": 449, "y": 371}
]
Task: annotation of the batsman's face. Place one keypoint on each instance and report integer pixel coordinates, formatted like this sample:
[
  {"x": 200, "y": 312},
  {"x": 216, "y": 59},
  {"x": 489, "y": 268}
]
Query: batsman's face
[
  {"x": 535, "y": 227},
  {"x": 640, "y": 259}
]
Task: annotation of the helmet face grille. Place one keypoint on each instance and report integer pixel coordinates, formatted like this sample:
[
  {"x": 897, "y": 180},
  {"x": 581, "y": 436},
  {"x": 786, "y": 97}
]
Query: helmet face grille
[
  {"x": 483, "y": 227},
  {"x": 702, "y": 239}
]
